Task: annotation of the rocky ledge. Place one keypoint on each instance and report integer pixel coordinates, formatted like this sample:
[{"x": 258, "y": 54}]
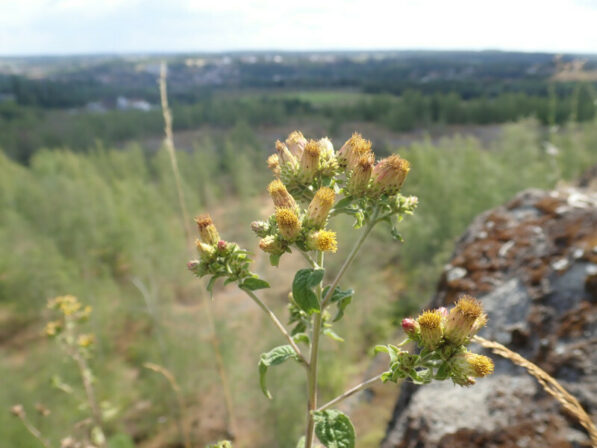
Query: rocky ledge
[{"x": 533, "y": 264}]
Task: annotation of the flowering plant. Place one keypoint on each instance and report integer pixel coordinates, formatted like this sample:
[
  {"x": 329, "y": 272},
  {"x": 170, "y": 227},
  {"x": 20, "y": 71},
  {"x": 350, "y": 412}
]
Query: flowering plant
[{"x": 313, "y": 183}]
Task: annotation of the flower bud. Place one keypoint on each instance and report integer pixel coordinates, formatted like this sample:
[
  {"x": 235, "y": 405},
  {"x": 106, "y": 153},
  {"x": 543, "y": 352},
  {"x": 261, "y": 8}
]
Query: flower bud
[
  {"x": 323, "y": 240},
  {"x": 271, "y": 245},
  {"x": 320, "y": 206},
  {"x": 222, "y": 246},
  {"x": 53, "y": 328},
  {"x": 284, "y": 155},
  {"x": 352, "y": 150},
  {"x": 273, "y": 163},
  {"x": 280, "y": 195},
  {"x": 18, "y": 410},
  {"x": 467, "y": 366},
  {"x": 326, "y": 147},
  {"x": 296, "y": 143},
  {"x": 310, "y": 160},
  {"x": 462, "y": 319},
  {"x": 389, "y": 174},
  {"x": 359, "y": 178},
  {"x": 430, "y": 323},
  {"x": 288, "y": 223},
  {"x": 192, "y": 265},
  {"x": 261, "y": 228},
  {"x": 410, "y": 326},
  {"x": 207, "y": 230},
  {"x": 206, "y": 251}
]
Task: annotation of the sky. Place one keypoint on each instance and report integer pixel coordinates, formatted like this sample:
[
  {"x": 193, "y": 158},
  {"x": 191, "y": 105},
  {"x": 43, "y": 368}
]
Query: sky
[{"x": 62, "y": 27}]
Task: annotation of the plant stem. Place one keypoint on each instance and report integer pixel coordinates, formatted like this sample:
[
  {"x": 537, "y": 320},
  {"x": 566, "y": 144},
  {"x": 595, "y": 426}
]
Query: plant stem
[
  {"x": 33, "y": 430},
  {"x": 278, "y": 324},
  {"x": 87, "y": 378},
  {"x": 351, "y": 257},
  {"x": 349, "y": 392},
  {"x": 309, "y": 259},
  {"x": 312, "y": 371}
]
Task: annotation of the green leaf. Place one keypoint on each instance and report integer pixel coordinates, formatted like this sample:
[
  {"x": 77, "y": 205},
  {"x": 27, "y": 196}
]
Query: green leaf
[
  {"x": 301, "y": 337},
  {"x": 342, "y": 299},
  {"x": 302, "y": 291},
  {"x": 272, "y": 358},
  {"x": 274, "y": 259},
  {"x": 332, "y": 335},
  {"x": 211, "y": 283},
  {"x": 254, "y": 283},
  {"x": 334, "y": 429},
  {"x": 301, "y": 442}
]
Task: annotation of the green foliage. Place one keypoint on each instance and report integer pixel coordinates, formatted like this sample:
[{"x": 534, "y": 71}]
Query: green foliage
[
  {"x": 274, "y": 357},
  {"x": 334, "y": 429},
  {"x": 302, "y": 289}
]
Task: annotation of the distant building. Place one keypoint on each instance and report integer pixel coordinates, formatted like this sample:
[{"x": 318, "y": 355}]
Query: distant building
[{"x": 123, "y": 103}]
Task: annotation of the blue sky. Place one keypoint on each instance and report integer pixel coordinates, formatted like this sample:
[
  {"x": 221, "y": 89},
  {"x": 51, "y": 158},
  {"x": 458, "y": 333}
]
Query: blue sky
[{"x": 133, "y": 26}]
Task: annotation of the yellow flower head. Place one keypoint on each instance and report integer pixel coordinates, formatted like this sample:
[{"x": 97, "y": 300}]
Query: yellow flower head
[
  {"x": 273, "y": 163},
  {"x": 320, "y": 206},
  {"x": 359, "y": 178},
  {"x": 53, "y": 328},
  {"x": 467, "y": 366},
  {"x": 430, "y": 323},
  {"x": 85, "y": 340},
  {"x": 352, "y": 150},
  {"x": 207, "y": 230},
  {"x": 288, "y": 223},
  {"x": 323, "y": 240},
  {"x": 206, "y": 251},
  {"x": 280, "y": 195}
]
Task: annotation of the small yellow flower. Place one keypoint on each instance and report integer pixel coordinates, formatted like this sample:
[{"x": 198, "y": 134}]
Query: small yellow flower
[
  {"x": 354, "y": 148},
  {"x": 323, "y": 240},
  {"x": 280, "y": 195},
  {"x": 467, "y": 366},
  {"x": 320, "y": 206},
  {"x": 53, "y": 328},
  {"x": 273, "y": 163},
  {"x": 430, "y": 323},
  {"x": 288, "y": 223},
  {"x": 85, "y": 340},
  {"x": 207, "y": 230},
  {"x": 359, "y": 178}
]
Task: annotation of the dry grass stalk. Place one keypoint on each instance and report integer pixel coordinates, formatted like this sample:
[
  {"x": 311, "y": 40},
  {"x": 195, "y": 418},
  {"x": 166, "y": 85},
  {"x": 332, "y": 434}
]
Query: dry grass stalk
[
  {"x": 549, "y": 383},
  {"x": 177, "y": 391},
  {"x": 169, "y": 143}
]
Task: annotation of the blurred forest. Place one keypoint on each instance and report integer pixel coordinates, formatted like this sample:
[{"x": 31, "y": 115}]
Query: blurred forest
[{"x": 89, "y": 208}]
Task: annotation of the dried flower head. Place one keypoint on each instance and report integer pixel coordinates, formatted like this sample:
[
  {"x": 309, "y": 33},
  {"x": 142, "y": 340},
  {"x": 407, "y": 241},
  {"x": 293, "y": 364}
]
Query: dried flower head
[
  {"x": 323, "y": 240},
  {"x": 320, "y": 206},
  {"x": 273, "y": 163},
  {"x": 284, "y": 155},
  {"x": 207, "y": 230},
  {"x": 18, "y": 410},
  {"x": 462, "y": 321},
  {"x": 389, "y": 174},
  {"x": 288, "y": 223},
  {"x": 280, "y": 195},
  {"x": 352, "y": 150},
  {"x": 430, "y": 323},
  {"x": 261, "y": 228},
  {"x": 296, "y": 143},
  {"x": 310, "y": 160},
  {"x": 326, "y": 147},
  {"x": 359, "y": 178}
]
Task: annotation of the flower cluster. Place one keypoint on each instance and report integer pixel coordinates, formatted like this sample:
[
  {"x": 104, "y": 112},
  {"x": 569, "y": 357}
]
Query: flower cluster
[
  {"x": 217, "y": 257},
  {"x": 442, "y": 336},
  {"x": 71, "y": 311}
]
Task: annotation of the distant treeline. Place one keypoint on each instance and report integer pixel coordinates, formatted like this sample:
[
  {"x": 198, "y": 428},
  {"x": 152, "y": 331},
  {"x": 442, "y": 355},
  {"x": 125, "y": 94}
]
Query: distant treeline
[{"x": 25, "y": 129}]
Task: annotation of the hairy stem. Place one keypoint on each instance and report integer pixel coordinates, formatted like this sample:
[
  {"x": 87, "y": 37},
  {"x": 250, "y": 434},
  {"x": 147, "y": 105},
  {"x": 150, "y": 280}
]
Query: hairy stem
[
  {"x": 351, "y": 257},
  {"x": 349, "y": 392},
  {"x": 278, "y": 324},
  {"x": 87, "y": 378},
  {"x": 312, "y": 371}
]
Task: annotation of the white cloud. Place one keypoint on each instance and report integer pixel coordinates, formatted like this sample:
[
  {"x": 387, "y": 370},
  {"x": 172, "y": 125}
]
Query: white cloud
[{"x": 63, "y": 26}]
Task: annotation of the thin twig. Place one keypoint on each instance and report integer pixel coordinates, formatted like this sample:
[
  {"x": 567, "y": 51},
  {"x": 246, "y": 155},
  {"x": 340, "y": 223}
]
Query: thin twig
[
  {"x": 19, "y": 412},
  {"x": 349, "y": 392},
  {"x": 177, "y": 392},
  {"x": 278, "y": 324},
  {"x": 549, "y": 383},
  {"x": 350, "y": 257}
]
